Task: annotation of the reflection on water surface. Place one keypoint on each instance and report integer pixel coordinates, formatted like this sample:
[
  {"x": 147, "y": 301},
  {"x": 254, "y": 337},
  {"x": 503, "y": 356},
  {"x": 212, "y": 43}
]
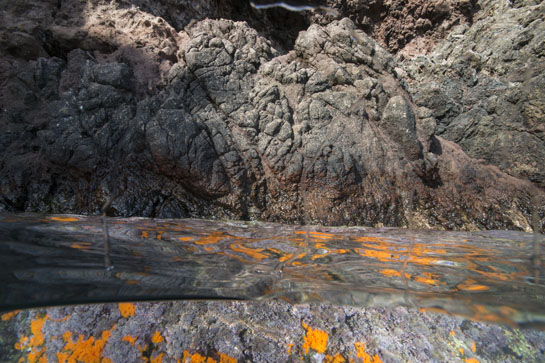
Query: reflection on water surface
[
  {"x": 294, "y": 5},
  {"x": 59, "y": 260}
]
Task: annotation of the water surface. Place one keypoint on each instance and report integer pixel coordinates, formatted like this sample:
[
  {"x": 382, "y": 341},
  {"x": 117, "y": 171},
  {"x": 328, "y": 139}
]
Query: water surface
[{"x": 59, "y": 259}]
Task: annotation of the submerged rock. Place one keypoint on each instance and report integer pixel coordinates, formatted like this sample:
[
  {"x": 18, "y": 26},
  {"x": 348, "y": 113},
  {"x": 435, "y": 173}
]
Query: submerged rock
[{"x": 258, "y": 332}]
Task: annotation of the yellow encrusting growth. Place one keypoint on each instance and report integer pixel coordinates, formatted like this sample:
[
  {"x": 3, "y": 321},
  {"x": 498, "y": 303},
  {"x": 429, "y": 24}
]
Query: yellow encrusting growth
[
  {"x": 157, "y": 338},
  {"x": 10, "y": 315},
  {"x": 390, "y": 272},
  {"x": 157, "y": 359},
  {"x": 224, "y": 358},
  {"x": 337, "y": 358},
  {"x": 471, "y": 285},
  {"x": 315, "y": 339},
  {"x": 62, "y": 357},
  {"x": 290, "y": 346},
  {"x": 84, "y": 350},
  {"x": 37, "y": 356},
  {"x": 81, "y": 245},
  {"x": 198, "y": 358},
  {"x": 366, "y": 358},
  {"x": 254, "y": 253},
  {"x": 471, "y": 360},
  {"x": 212, "y": 238},
  {"x": 36, "y": 353},
  {"x": 127, "y": 309},
  {"x": 36, "y": 328},
  {"x": 130, "y": 339},
  {"x": 20, "y": 345}
]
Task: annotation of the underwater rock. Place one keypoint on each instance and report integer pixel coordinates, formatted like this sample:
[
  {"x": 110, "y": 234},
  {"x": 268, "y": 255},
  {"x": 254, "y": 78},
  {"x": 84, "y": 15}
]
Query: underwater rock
[{"x": 225, "y": 331}]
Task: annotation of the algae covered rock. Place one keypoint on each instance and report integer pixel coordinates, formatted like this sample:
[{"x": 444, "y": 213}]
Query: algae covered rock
[{"x": 258, "y": 332}]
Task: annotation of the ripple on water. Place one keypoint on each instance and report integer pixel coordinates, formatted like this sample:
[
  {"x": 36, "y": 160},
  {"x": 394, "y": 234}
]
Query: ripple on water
[{"x": 483, "y": 275}]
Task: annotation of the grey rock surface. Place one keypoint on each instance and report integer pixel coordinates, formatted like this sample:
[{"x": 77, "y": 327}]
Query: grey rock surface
[
  {"x": 259, "y": 332},
  {"x": 214, "y": 120},
  {"x": 111, "y": 101},
  {"x": 485, "y": 85}
]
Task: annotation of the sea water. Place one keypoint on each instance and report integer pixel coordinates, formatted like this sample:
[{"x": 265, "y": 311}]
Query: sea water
[{"x": 59, "y": 259}]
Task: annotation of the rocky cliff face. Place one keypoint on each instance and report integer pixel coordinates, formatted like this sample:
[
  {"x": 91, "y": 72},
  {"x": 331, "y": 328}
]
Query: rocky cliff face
[{"x": 285, "y": 116}]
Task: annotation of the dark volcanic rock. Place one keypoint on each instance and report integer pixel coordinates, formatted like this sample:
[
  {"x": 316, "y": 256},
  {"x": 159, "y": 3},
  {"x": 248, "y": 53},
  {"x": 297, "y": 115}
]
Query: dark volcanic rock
[
  {"x": 485, "y": 86},
  {"x": 406, "y": 26},
  {"x": 215, "y": 120}
]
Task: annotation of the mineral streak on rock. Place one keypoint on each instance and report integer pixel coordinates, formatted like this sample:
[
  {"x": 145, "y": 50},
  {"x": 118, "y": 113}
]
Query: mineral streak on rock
[{"x": 209, "y": 118}]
